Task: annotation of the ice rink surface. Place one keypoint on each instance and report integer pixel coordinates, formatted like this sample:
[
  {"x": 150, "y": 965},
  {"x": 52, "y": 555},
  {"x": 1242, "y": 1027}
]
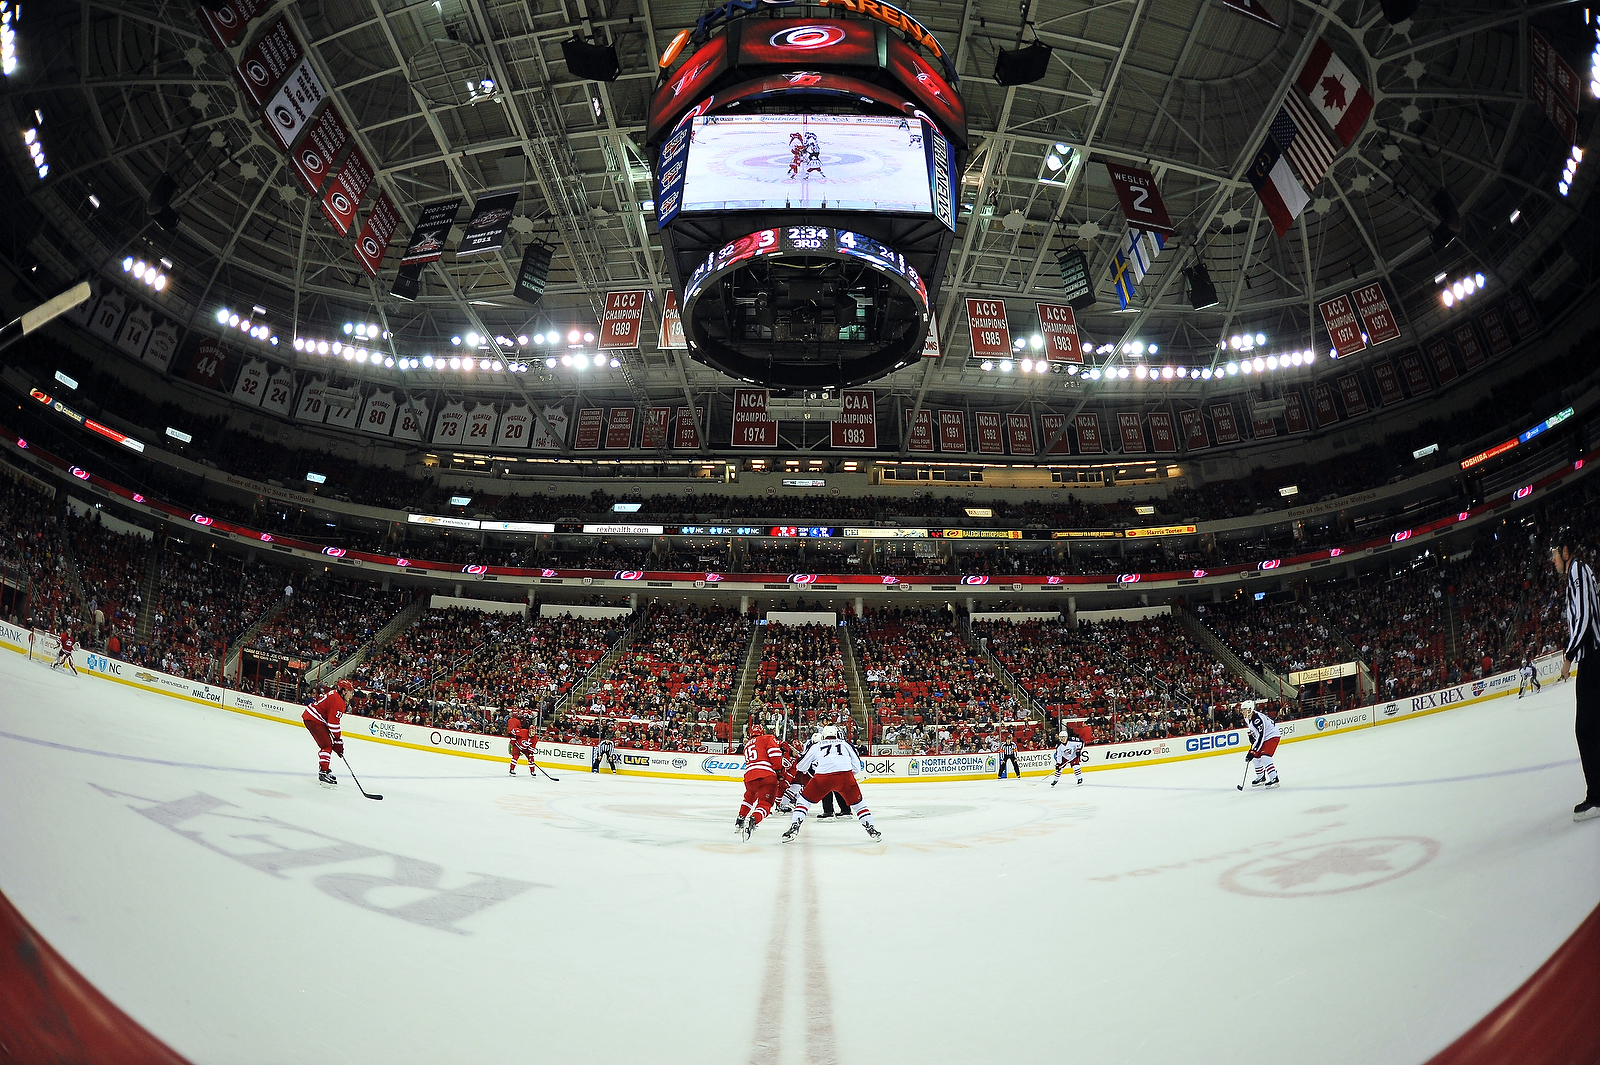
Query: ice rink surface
[{"x": 1400, "y": 883}]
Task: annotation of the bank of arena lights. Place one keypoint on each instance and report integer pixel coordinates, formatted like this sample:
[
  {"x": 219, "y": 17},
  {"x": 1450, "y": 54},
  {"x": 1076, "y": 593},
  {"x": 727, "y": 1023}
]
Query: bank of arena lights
[
  {"x": 1243, "y": 342},
  {"x": 1010, "y": 366},
  {"x": 249, "y": 324},
  {"x": 363, "y": 331},
  {"x": 1461, "y": 289},
  {"x": 9, "y": 13},
  {"x": 30, "y": 137},
  {"x": 150, "y": 273},
  {"x": 1594, "y": 59},
  {"x": 1568, "y": 173}
]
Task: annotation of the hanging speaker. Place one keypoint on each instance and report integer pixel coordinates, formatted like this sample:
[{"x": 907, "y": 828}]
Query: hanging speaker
[
  {"x": 1449, "y": 228},
  {"x": 535, "y": 270},
  {"x": 591, "y": 62},
  {"x": 1022, "y": 66},
  {"x": 407, "y": 283},
  {"x": 161, "y": 193},
  {"x": 1202, "y": 290}
]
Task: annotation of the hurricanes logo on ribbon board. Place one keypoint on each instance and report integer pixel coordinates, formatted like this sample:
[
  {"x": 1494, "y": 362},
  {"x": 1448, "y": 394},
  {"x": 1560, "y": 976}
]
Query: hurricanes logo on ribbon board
[{"x": 807, "y": 37}]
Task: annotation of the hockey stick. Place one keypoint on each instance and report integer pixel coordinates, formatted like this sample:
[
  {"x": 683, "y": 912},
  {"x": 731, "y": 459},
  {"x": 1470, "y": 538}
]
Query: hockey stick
[
  {"x": 365, "y": 794},
  {"x": 1248, "y": 762},
  {"x": 540, "y": 768}
]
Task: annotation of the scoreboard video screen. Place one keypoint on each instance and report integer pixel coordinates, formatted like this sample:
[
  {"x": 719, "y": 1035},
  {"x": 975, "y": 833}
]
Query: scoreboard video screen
[{"x": 807, "y": 162}]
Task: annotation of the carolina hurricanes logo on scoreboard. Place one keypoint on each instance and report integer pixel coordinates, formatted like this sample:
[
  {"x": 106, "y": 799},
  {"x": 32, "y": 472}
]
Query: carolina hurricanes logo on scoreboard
[
  {"x": 807, "y": 37},
  {"x": 200, "y": 519},
  {"x": 336, "y": 552},
  {"x": 628, "y": 574},
  {"x": 974, "y": 580},
  {"x": 1127, "y": 578},
  {"x": 712, "y": 578},
  {"x": 476, "y": 570},
  {"x": 802, "y": 578},
  {"x": 1271, "y": 563}
]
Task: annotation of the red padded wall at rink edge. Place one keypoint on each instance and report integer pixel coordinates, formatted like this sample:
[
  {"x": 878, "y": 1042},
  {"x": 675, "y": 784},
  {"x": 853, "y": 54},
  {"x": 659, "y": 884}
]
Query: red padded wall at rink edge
[
  {"x": 50, "y": 1014},
  {"x": 1552, "y": 1019}
]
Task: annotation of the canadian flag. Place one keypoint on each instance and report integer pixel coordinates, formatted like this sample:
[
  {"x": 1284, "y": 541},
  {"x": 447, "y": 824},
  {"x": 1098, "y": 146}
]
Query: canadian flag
[{"x": 1336, "y": 92}]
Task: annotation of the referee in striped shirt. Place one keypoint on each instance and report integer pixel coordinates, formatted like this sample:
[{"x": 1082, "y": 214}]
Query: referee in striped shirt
[{"x": 1583, "y": 641}]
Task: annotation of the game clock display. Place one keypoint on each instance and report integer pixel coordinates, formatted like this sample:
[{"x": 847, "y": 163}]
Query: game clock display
[{"x": 806, "y": 240}]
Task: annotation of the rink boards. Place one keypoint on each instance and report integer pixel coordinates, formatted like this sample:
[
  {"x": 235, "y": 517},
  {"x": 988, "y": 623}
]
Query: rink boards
[{"x": 729, "y": 767}]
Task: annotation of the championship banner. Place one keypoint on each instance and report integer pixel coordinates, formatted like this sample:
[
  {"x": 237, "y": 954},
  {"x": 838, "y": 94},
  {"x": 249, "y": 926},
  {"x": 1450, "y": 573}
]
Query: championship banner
[
  {"x": 252, "y": 383},
  {"x": 1132, "y": 435},
  {"x": 1523, "y": 316},
  {"x": 1352, "y": 395},
  {"x": 1322, "y": 407},
  {"x": 550, "y": 429},
  {"x": 1494, "y": 328},
  {"x": 1194, "y": 430},
  {"x": 411, "y": 420},
  {"x": 267, "y": 61},
  {"x": 1388, "y": 383},
  {"x": 1161, "y": 436},
  {"x": 292, "y": 106},
  {"x": 752, "y": 425},
  {"x": 348, "y": 189},
  {"x": 987, "y": 425},
  {"x": 486, "y": 229},
  {"x": 622, "y": 322},
  {"x": 1416, "y": 376},
  {"x": 430, "y": 233},
  {"x": 953, "y": 431},
  {"x": 1060, "y": 331},
  {"x": 1053, "y": 428},
  {"x": 135, "y": 331},
  {"x": 591, "y": 421},
  {"x": 921, "y": 435},
  {"x": 1088, "y": 426},
  {"x": 516, "y": 427},
  {"x": 1343, "y": 329},
  {"x": 930, "y": 343},
  {"x": 319, "y": 149},
  {"x": 1294, "y": 412},
  {"x": 1472, "y": 353},
  {"x": 619, "y": 429},
  {"x": 480, "y": 424},
  {"x": 1223, "y": 422},
  {"x": 671, "y": 325},
  {"x": 1262, "y": 426},
  {"x": 376, "y": 232},
  {"x": 857, "y": 424},
  {"x": 1019, "y": 434},
  {"x": 311, "y": 407},
  {"x": 686, "y": 436},
  {"x": 226, "y": 22},
  {"x": 991, "y": 333},
  {"x": 377, "y": 417},
  {"x": 1376, "y": 316},
  {"x": 209, "y": 363},
  {"x": 657, "y": 425},
  {"x": 1140, "y": 198},
  {"x": 1444, "y": 367}
]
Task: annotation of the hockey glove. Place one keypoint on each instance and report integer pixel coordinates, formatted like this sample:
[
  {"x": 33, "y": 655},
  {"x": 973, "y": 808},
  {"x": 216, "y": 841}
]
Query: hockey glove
[
  {"x": 338, "y": 748},
  {"x": 1249, "y": 756}
]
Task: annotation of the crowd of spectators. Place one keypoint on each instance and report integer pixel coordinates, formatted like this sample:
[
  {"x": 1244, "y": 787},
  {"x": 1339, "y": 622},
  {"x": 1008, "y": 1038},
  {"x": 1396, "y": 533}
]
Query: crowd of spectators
[
  {"x": 1280, "y": 635},
  {"x": 1396, "y": 622},
  {"x": 801, "y": 679},
  {"x": 111, "y": 570},
  {"x": 32, "y": 557},
  {"x": 205, "y": 600},
  {"x": 328, "y": 619}
]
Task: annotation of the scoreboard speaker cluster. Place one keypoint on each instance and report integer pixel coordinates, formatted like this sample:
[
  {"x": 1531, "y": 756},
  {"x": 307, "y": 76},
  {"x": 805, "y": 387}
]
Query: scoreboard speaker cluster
[{"x": 807, "y": 180}]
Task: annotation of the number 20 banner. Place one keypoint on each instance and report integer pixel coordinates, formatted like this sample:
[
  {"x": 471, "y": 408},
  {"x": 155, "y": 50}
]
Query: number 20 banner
[{"x": 991, "y": 333}]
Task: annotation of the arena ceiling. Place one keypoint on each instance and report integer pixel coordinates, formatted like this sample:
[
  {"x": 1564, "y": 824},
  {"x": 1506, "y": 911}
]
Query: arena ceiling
[{"x": 131, "y": 89}]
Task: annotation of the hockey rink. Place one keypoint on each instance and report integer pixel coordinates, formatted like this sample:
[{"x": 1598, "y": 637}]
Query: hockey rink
[{"x": 1400, "y": 883}]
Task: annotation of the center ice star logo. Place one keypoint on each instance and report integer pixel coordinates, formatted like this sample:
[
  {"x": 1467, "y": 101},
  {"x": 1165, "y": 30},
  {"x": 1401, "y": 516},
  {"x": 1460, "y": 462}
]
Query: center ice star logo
[{"x": 1331, "y": 868}]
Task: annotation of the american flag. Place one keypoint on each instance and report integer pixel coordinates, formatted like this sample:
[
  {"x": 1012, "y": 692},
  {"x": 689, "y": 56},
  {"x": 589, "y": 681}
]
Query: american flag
[{"x": 1305, "y": 144}]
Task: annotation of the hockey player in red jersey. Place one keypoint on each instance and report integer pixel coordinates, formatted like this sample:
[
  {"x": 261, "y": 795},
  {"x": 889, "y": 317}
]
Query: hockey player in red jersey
[
  {"x": 322, "y": 721},
  {"x": 1263, "y": 745},
  {"x": 763, "y": 777},
  {"x": 64, "y": 655},
  {"x": 833, "y": 764},
  {"x": 524, "y": 741}
]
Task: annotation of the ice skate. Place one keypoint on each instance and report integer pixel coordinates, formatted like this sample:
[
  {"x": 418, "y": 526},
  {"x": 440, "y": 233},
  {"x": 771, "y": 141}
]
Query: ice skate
[
  {"x": 513, "y": 769},
  {"x": 326, "y": 777},
  {"x": 1054, "y": 782},
  {"x": 873, "y": 834},
  {"x": 1080, "y": 782},
  {"x": 1272, "y": 783},
  {"x": 1585, "y": 811},
  {"x": 793, "y": 833},
  {"x": 745, "y": 830},
  {"x": 1259, "y": 781},
  {"x": 738, "y": 824}
]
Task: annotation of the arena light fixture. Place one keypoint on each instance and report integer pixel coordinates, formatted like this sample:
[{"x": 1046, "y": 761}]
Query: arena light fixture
[
  {"x": 9, "y": 14},
  {"x": 35, "y": 146}
]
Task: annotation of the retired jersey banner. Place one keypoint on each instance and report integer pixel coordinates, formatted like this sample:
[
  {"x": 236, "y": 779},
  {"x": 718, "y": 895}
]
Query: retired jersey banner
[
  {"x": 1355, "y": 401},
  {"x": 135, "y": 331},
  {"x": 292, "y": 106},
  {"x": 209, "y": 364},
  {"x": 857, "y": 424},
  {"x": 953, "y": 431},
  {"x": 106, "y": 321},
  {"x": 1444, "y": 365},
  {"x": 1519, "y": 308},
  {"x": 1161, "y": 436},
  {"x": 1376, "y": 316},
  {"x": 252, "y": 383},
  {"x": 481, "y": 421},
  {"x": 1019, "y": 434},
  {"x": 930, "y": 342},
  {"x": 550, "y": 429},
  {"x": 1140, "y": 198},
  {"x": 344, "y": 407},
  {"x": 591, "y": 423},
  {"x": 1222, "y": 420},
  {"x": 686, "y": 436},
  {"x": 1294, "y": 412},
  {"x": 921, "y": 431},
  {"x": 411, "y": 419},
  {"x": 619, "y": 429},
  {"x": 991, "y": 333},
  {"x": 1388, "y": 383},
  {"x": 987, "y": 425},
  {"x": 1128, "y": 428},
  {"x": 1087, "y": 425},
  {"x": 313, "y": 157},
  {"x": 657, "y": 426},
  {"x": 516, "y": 427},
  {"x": 377, "y": 417},
  {"x": 1262, "y": 427},
  {"x": 485, "y": 231},
  {"x": 311, "y": 407},
  {"x": 622, "y": 323},
  {"x": 671, "y": 325},
  {"x": 1344, "y": 331},
  {"x": 1322, "y": 407},
  {"x": 752, "y": 425},
  {"x": 376, "y": 232},
  {"x": 349, "y": 188},
  {"x": 1472, "y": 353},
  {"x": 430, "y": 233},
  {"x": 1494, "y": 329},
  {"x": 1416, "y": 376},
  {"x": 1194, "y": 430},
  {"x": 267, "y": 61},
  {"x": 1060, "y": 331}
]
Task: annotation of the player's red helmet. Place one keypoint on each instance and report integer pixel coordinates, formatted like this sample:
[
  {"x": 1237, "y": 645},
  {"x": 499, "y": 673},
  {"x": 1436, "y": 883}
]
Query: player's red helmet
[
  {"x": 345, "y": 686},
  {"x": 756, "y": 728}
]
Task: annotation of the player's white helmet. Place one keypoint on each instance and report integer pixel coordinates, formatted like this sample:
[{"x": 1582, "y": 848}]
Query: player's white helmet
[
  {"x": 830, "y": 733},
  {"x": 1065, "y": 735},
  {"x": 1248, "y": 706},
  {"x": 816, "y": 737}
]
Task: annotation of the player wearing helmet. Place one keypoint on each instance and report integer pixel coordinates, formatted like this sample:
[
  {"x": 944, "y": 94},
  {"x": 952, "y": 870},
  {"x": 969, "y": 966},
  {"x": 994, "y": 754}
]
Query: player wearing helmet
[
  {"x": 322, "y": 721},
  {"x": 523, "y": 744},
  {"x": 1263, "y": 744},
  {"x": 1068, "y": 752},
  {"x": 833, "y": 764},
  {"x": 763, "y": 777}
]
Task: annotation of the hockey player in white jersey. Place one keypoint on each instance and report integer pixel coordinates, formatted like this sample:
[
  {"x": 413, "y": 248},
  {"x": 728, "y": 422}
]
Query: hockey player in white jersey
[
  {"x": 1263, "y": 745},
  {"x": 1529, "y": 676},
  {"x": 1068, "y": 752},
  {"x": 833, "y": 764},
  {"x": 797, "y": 779}
]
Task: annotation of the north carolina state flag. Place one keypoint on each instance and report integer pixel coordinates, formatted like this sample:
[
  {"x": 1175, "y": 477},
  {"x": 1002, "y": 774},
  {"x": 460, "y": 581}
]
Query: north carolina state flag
[{"x": 1336, "y": 92}]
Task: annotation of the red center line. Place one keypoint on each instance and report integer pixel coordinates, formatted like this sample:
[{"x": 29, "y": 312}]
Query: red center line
[
  {"x": 821, "y": 1045},
  {"x": 769, "y": 1013}
]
